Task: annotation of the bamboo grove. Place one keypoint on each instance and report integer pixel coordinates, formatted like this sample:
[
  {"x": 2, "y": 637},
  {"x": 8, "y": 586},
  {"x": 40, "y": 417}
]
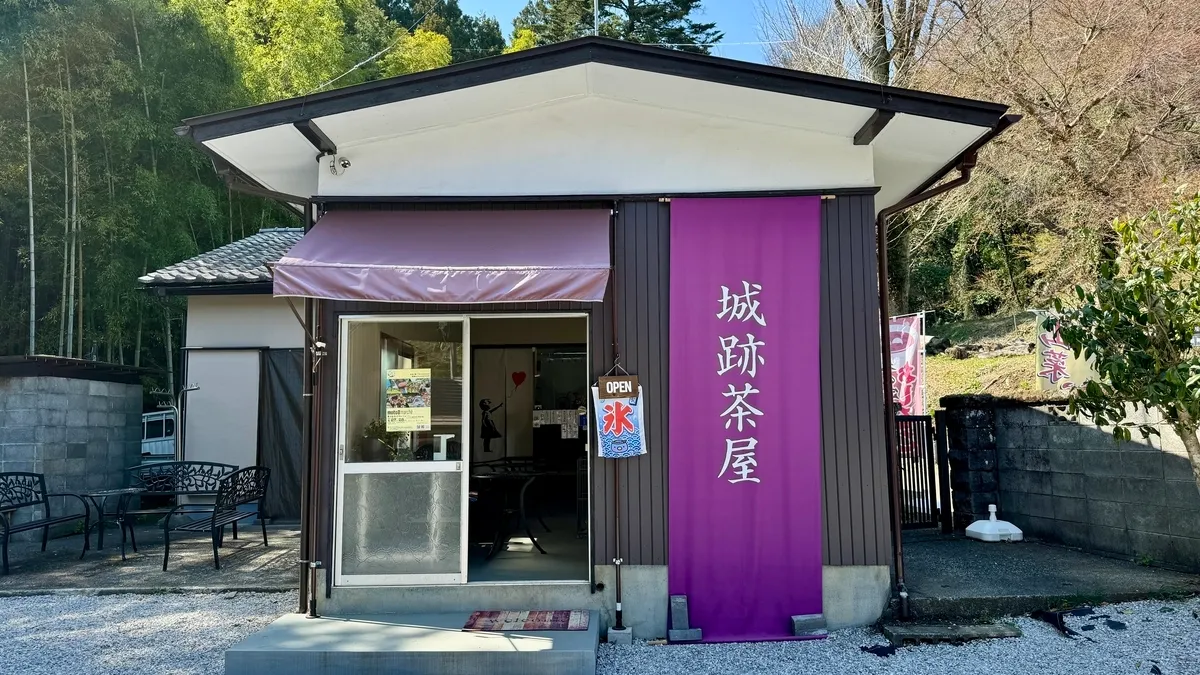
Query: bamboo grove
[{"x": 97, "y": 190}]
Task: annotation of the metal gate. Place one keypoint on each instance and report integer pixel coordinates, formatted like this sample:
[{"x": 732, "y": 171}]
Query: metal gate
[{"x": 919, "y": 495}]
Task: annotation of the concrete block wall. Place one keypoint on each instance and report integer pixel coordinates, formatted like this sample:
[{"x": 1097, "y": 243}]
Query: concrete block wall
[
  {"x": 81, "y": 434},
  {"x": 1068, "y": 481}
]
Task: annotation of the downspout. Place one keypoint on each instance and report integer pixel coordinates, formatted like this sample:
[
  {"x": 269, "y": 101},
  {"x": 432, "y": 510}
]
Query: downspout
[
  {"x": 616, "y": 353},
  {"x": 310, "y": 473},
  {"x": 309, "y": 480},
  {"x": 310, "y": 476},
  {"x": 965, "y": 164}
]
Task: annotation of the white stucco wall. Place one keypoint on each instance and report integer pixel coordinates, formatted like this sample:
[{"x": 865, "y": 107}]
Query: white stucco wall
[
  {"x": 598, "y": 146},
  {"x": 242, "y": 321},
  {"x": 221, "y": 418}
]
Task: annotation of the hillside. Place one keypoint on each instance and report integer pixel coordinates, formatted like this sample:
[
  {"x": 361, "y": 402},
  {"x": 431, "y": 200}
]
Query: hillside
[{"x": 987, "y": 356}]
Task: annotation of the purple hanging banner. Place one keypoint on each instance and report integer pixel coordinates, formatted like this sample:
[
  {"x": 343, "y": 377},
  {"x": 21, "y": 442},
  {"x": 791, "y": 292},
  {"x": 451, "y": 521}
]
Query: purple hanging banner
[{"x": 745, "y": 414}]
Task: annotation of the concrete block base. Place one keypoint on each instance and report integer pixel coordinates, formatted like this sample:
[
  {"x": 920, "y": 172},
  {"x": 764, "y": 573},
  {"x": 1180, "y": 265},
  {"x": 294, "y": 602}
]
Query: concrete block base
[
  {"x": 681, "y": 627},
  {"x": 852, "y": 595},
  {"x": 620, "y": 637},
  {"x": 685, "y": 635},
  {"x": 855, "y": 595},
  {"x": 805, "y": 625},
  {"x": 645, "y": 598},
  {"x": 679, "y": 613},
  {"x": 423, "y": 644}
]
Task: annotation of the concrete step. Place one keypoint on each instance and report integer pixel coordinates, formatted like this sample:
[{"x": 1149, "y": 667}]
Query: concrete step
[{"x": 422, "y": 644}]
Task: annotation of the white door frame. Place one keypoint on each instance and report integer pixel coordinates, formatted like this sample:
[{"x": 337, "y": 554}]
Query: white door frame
[
  {"x": 360, "y": 468},
  {"x": 426, "y": 467}
]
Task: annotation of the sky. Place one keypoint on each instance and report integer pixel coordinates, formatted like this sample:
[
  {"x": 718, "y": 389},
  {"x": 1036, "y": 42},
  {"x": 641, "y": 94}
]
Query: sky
[{"x": 737, "y": 18}]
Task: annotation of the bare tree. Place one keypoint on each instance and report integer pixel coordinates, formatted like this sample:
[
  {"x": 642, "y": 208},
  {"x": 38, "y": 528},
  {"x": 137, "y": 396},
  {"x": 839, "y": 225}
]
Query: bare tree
[
  {"x": 882, "y": 41},
  {"x": 1111, "y": 98}
]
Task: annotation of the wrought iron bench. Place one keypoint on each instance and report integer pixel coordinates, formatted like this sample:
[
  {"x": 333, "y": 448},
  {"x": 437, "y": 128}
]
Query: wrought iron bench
[
  {"x": 170, "y": 479},
  {"x": 244, "y": 486},
  {"x": 20, "y": 490}
]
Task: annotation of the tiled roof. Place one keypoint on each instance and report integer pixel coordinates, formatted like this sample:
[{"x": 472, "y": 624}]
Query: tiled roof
[{"x": 243, "y": 261}]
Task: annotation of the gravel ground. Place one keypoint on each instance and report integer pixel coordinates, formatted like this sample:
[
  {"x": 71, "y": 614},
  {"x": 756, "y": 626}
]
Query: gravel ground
[
  {"x": 130, "y": 634},
  {"x": 176, "y": 634},
  {"x": 1145, "y": 637}
]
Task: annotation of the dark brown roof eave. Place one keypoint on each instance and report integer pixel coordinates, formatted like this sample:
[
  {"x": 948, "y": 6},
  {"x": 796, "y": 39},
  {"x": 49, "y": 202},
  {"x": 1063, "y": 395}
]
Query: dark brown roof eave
[
  {"x": 593, "y": 50},
  {"x": 210, "y": 288}
]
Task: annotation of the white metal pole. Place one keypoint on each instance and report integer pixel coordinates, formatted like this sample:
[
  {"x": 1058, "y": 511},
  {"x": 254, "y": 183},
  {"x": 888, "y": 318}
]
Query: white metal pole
[
  {"x": 921, "y": 354},
  {"x": 595, "y": 17}
]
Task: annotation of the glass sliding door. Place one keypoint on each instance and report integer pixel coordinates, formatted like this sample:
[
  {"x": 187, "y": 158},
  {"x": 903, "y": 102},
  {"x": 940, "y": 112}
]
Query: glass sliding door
[{"x": 402, "y": 481}]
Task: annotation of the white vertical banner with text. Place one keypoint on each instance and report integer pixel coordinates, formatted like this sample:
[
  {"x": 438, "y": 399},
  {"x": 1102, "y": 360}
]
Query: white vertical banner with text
[{"x": 1058, "y": 369}]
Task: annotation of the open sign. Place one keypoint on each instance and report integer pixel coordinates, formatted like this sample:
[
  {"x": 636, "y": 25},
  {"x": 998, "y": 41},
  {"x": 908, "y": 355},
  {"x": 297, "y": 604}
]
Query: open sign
[{"x": 625, "y": 386}]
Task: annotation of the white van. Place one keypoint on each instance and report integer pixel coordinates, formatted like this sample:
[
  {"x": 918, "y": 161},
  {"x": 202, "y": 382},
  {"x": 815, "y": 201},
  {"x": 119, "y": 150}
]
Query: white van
[{"x": 158, "y": 436}]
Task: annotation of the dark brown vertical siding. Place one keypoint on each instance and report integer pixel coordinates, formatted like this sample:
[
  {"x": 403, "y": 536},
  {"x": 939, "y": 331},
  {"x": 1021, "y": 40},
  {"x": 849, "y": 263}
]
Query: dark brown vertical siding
[
  {"x": 857, "y": 530},
  {"x": 855, "y": 507},
  {"x": 876, "y": 480},
  {"x": 831, "y": 513},
  {"x": 601, "y": 504},
  {"x": 641, "y": 256}
]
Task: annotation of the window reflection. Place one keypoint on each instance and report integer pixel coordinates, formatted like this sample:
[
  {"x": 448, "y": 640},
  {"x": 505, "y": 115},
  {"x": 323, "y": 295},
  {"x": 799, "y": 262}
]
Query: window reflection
[{"x": 425, "y": 406}]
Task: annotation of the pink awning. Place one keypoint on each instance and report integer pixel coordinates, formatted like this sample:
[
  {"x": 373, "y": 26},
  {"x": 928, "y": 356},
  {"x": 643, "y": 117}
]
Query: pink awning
[{"x": 450, "y": 257}]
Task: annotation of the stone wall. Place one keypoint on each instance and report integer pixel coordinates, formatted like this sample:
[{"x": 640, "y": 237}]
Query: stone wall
[
  {"x": 1067, "y": 481},
  {"x": 81, "y": 434}
]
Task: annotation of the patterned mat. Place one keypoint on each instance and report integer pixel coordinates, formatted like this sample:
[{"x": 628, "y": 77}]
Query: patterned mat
[{"x": 496, "y": 621}]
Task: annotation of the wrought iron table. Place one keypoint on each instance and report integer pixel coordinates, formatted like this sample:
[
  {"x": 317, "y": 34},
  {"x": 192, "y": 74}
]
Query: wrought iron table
[
  {"x": 504, "y": 531},
  {"x": 99, "y": 498}
]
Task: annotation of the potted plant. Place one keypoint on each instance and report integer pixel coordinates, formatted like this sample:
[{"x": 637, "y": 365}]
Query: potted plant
[{"x": 377, "y": 444}]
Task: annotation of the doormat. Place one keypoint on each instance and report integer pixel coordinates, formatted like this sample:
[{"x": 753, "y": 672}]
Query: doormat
[{"x": 496, "y": 621}]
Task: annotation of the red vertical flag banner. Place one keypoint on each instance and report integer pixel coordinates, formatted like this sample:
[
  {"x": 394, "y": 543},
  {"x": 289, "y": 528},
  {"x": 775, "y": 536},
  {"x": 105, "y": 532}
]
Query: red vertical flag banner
[{"x": 908, "y": 367}]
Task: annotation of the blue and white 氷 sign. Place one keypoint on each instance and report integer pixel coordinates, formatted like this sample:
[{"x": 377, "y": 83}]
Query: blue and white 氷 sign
[{"x": 620, "y": 425}]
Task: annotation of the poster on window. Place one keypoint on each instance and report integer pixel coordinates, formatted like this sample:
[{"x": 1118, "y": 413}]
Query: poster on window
[
  {"x": 621, "y": 430},
  {"x": 908, "y": 369},
  {"x": 1057, "y": 367},
  {"x": 409, "y": 396}
]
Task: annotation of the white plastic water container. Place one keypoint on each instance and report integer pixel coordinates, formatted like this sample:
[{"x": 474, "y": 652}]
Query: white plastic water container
[{"x": 994, "y": 530}]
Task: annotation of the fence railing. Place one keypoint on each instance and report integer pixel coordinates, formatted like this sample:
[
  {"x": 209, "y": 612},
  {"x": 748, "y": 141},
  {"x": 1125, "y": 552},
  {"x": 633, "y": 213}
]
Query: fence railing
[{"x": 920, "y": 496}]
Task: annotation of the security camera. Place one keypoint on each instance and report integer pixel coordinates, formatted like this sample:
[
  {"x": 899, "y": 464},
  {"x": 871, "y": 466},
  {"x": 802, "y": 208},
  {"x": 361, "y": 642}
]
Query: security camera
[{"x": 338, "y": 165}]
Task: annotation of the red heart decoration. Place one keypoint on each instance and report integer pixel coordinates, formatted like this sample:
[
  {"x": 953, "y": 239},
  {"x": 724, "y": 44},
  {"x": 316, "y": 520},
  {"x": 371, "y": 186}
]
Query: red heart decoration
[{"x": 518, "y": 377}]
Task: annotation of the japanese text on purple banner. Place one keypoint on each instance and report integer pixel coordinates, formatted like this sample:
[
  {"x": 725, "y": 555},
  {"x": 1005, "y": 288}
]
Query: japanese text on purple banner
[{"x": 739, "y": 358}]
